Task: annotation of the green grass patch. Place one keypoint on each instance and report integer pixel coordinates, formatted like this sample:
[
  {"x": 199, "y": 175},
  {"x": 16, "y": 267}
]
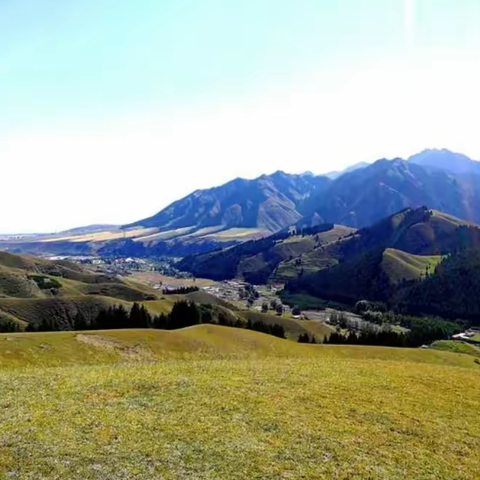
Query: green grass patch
[
  {"x": 457, "y": 347},
  {"x": 211, "y": 402},
  {"x": 400, "y": 265}
]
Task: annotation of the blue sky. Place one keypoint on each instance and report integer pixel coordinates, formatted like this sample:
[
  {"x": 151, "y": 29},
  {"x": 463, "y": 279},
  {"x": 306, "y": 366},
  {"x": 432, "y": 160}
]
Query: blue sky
[{"x": 121, "y": 107}]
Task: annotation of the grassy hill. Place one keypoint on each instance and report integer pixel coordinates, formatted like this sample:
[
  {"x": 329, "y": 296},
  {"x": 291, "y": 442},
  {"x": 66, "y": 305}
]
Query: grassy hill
[
  {"x": 457, "y": 347},
  {"x": 40, "y": 292},
  {"x": 256, "y": 407},
  {"x": 269, "y": 259},
  {"x": 401, "y": 266},
  {"x": 394, "y": 261},
  {"x": 34, "y": 289}
]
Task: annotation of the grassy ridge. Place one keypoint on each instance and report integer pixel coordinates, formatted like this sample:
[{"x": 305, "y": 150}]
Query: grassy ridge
[
  {"x": 202, "y": 341},
  {"x": 292, "y": 326},
  {"x": 227, "y": 403},
  {"x": 34, "y": 310},
  {"x": 399, "y": 265},
  {"x": 457, "y": 347}
]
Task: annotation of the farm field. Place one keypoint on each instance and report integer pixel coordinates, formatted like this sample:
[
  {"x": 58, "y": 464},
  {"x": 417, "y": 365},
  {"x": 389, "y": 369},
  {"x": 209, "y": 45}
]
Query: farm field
[{"x": 216, "y": 402}]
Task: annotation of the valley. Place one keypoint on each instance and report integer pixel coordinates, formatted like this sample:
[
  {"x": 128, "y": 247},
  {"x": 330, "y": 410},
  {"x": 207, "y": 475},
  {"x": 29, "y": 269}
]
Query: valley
[
  {"x": 298, "y": 340},
  {"x": 233, "y": 245}
]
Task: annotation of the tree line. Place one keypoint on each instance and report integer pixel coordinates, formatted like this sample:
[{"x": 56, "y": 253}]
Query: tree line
[
  {"x": 179, "y": 290},
  {"x": 183, "y": 314},
  {"x": 421, "y": 331}
]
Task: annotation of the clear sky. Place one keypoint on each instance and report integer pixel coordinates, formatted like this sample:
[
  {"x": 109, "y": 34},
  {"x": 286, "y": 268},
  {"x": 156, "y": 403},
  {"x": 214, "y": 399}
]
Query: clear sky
[{"x": 111, "y": 109}]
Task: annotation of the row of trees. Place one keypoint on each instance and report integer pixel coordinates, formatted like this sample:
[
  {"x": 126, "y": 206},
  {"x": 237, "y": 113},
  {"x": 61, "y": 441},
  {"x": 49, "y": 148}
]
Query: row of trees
[
  {"x": 421, "y": 331},
  {"x": 8, "y": 325},
  {"x": 183, "y": 314},
  {"x": 179, "y": 290},
  {"x": 305, "y": 338}
]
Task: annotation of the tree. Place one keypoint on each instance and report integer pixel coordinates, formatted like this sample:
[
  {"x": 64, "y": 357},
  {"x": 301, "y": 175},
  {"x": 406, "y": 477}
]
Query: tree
[
  {"x": 279, "y": 309},
  {"x": 9, "y": 325},
  {"x": 362, "y": 306},
  {"x": 296, "y": 311},
  {"x": 273, "y": 305},
  {"x": 120, "y": 317},
  {"x": 343, "y": 320},
  {"x": 139, "y": 317},
  {"x": 160, "y": 322},
  {"x": 80, "y": 321},
  {"x": 334, "y": 317},
  {"x": 335, "y": 338},
  {"x": 265, "y": 307},
  {"x": 184, "y": 314},
  {"x": 277, "y": 330}
]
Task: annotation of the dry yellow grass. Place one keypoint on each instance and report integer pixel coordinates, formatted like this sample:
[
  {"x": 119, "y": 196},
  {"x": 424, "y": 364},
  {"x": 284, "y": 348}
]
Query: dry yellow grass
[
  {"x": 104, "y": 235},
  {"x": 152, "y": 278}
]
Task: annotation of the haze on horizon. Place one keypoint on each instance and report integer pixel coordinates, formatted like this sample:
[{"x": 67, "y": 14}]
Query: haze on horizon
[{"x": 110, "y": 110}]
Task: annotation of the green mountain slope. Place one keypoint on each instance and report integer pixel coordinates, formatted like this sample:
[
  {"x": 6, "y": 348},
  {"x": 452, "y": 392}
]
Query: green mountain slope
[
  {"x": 420, "y": 231},
  {"x": 401, "y": 266},
  {"x": 259, "y": 261},
  {"x": 382, "y": 263}
]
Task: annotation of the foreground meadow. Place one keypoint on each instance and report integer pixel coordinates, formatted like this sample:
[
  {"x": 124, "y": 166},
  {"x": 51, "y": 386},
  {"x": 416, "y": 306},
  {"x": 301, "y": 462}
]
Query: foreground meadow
[{"x": 218, "y": 403}]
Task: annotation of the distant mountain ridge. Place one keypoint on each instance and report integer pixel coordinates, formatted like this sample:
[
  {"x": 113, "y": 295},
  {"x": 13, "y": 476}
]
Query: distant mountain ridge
[
  {"x": 358, "y": 196},
  {"x": 269, "y": 202},
  {"x": 241, "y": 210},
  {"x": 446, "y": 160},
  {"x": 338, "y": 173},
  {"x": 366, "y": 195}
]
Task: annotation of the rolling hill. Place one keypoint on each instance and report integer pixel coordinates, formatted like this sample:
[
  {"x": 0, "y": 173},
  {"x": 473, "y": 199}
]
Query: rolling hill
[
  {"x": 311, "y": 411},
  {"x": 39, "y": 292},
  {"x": 33, "y": 290}
]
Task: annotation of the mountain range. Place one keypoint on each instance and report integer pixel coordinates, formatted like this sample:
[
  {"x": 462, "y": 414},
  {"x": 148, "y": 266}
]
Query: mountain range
[
  {"x": 243, "y": 210},
  {"x": 417, "y": 261}
]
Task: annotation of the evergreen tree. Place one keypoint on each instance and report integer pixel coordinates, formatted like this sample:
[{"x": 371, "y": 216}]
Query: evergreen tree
[
  {"x": 139, "y": 317},
  {"x": 161, "y": 322},
  {"x": 80, "y": 321},
  {"x": 303, "y": 338}
]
